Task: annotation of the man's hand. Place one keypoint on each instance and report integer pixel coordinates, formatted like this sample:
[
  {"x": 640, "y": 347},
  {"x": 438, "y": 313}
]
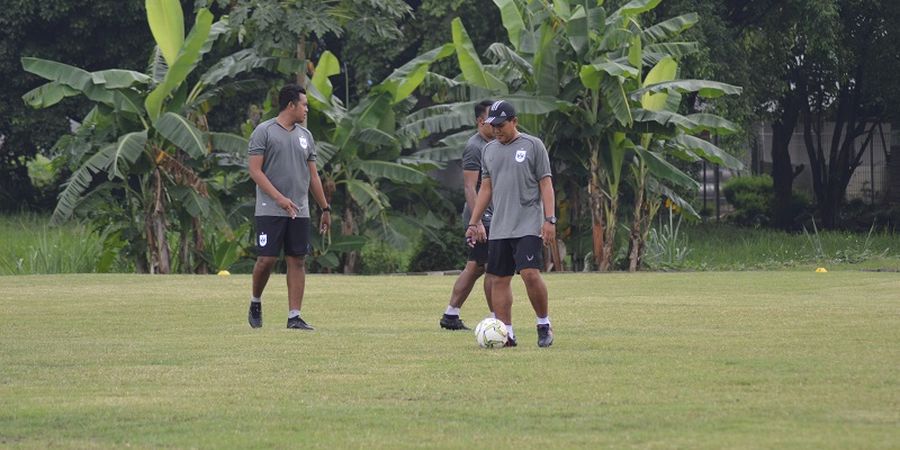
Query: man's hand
[
  {"x": 325, "y": 222},
  {"x": 548, "y": 233},
  {"x": 289, "y": 206},
  {"x": 475, "y": 233}
]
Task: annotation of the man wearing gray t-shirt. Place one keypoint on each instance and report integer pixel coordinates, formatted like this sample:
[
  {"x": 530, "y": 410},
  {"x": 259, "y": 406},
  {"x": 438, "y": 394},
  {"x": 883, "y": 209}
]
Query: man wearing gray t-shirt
[
  {"x": 478, "y": 253},
  {"x": 282, "y": 163},
  {"x": 516, "y": 180}
]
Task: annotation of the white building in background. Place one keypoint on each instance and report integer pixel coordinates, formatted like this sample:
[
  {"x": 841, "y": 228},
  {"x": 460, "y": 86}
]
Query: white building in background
[{"x": 876, "y": 179}]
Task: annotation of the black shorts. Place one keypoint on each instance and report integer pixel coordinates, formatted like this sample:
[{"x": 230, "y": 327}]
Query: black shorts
[
  {"x": 507, "y": 257},
  {"x": 479, "y": 253},
  {"x": 274, "y": 233}
]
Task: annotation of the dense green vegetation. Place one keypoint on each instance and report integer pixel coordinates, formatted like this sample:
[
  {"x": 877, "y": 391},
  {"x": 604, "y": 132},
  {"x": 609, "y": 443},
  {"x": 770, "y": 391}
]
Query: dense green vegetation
[
  {"x": 29, "y": 245},
  {"x": 628, "y": 96},
  {"x": 696, "y": 360}
]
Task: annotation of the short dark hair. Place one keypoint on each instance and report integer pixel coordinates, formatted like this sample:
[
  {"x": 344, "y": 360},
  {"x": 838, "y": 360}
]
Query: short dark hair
[
  {"x": 289, "y": 93},
  {"x": 481, "y": 107}
]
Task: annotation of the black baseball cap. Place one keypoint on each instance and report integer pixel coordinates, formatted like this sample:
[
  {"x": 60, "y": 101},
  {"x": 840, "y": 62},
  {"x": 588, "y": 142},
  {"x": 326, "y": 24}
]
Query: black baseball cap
[{"x": 500, "y": 112}]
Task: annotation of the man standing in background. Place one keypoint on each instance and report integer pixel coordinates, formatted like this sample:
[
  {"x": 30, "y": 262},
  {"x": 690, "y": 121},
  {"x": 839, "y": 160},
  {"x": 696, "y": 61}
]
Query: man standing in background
[
  {"x": 478, "y": 254},
  {"x": 282, "y": 163}
]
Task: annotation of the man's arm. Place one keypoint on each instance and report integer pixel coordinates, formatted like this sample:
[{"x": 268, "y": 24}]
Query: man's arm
[
  {"x": 315, "y": 185},
  {"x": 475, "y": 229},
  {"x": 470, "y": 180},
  {"x": 548, "y": 198},
  {"x": 255, "y": 163}
]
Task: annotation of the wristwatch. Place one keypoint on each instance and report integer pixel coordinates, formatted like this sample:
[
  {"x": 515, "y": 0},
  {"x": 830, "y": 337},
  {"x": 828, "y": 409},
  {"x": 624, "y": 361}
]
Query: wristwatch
[
  {"x": 551, "y": 219},
  {"x": 327, "y": 209}
]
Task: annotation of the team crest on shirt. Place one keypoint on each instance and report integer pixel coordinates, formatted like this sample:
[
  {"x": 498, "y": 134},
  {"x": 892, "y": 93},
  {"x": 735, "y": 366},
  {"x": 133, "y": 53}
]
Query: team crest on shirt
[
  {"x": 303, "y": 142},
  {"x": 263, "y": 239},
  {"x": 520, "y": 155}
]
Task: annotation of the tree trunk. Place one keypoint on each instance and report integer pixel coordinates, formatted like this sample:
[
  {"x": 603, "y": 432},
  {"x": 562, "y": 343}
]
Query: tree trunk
[
  {"x": 596, "y": 200},
  {"x": 782, "y": 170},
  {"x": 199, "y": 246},
  {"x": 158, "y": 244},
  {"x": 634, "y": 256},
  {"x": 351, "y": 260}
]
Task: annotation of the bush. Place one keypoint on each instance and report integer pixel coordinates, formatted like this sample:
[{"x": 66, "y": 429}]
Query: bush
[
  {"x": 448, "y": 252},
  {"x": 859, "y": 216},
  {"x": 378, "y": 257},
  {"x": 753, "y": 198}
]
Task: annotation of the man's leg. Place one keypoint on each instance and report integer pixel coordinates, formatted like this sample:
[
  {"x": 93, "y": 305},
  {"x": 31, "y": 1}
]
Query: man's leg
[
  {"x": 261, "y": 271},
  {"x": 488, "y": 285},
  {"x": 537, "y": 290},
  {"x": 296, "y": 281},
  {"x": 537, "y": 294},
  {"x": 501, "y": 298},
  {"x": 464, "y": 283},
  {"x": 461, "y": 290}
]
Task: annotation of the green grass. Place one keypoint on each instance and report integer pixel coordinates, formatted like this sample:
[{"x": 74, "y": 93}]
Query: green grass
[
  {"x": 653, "y": 360},
  {"x": 726, "y": 247},
  {"x": 29, "y": 245}
]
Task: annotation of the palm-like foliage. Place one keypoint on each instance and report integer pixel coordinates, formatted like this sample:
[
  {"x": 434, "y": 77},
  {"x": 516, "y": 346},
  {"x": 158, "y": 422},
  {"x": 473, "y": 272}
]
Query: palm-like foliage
[
  {"x": 602, "y": 91},
  {"x": 147, "y": 134},
  {"x": 361, "y": 151}
]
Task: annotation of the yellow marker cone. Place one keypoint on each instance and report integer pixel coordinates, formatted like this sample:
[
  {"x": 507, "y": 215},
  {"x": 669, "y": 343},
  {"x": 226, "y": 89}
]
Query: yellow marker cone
[
  {"x": 821, "y": 270},
  {"x": 224, "y": 273}
]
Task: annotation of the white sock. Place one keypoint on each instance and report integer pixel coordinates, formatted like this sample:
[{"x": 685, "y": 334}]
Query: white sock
[
  {"x": 294, "y": 313},
  {"x": 492, "y": 315},
  {"x": 510, "y": 331},
  {"x": 255, "y": 299},
  {"x": 543, "y": 320},
  {"x": 451, "y": 311}
]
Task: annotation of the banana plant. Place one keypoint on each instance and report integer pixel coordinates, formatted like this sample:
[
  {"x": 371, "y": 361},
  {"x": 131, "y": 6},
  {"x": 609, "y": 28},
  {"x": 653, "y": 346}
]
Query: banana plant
[
  {"x": 608, "y": 122},
  {"x": 150, "y": 137},
  {"x": 361, "y": 152}
]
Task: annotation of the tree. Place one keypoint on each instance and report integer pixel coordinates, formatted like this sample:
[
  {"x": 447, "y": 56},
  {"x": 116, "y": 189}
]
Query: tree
[
  {"x": 361, "y": 150},
  {"x": 95, "y": 34},
  {"x": 147, "y": 133},
  {"x": 576, "y": 74}
]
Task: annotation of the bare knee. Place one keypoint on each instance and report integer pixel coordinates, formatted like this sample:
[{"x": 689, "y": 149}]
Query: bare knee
[
  {"x": 266, "y": 263},
  {"x": 531, "y": 276}
]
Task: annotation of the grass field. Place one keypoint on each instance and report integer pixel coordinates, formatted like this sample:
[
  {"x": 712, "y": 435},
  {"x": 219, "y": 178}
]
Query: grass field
[{"x": 691, "y": 360}]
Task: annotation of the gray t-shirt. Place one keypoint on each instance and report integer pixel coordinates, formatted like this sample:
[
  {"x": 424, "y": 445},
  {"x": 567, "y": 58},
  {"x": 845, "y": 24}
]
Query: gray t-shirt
[
  {"x": 285, "y": 155},
  {"x": 471, "y": 160},
  {"x": 515, "y": 171}
]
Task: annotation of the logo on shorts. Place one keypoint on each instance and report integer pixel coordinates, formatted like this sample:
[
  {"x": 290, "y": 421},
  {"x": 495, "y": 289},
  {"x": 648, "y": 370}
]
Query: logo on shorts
[
  {"x": 303, "y": 142},
  {"x": 520, "y": 155},
  {"x": 530, "y": 257},
  {"x": 263, "y": 239}
]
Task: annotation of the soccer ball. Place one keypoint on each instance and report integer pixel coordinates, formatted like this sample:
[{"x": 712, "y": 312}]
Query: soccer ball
[{"x": 491, "y": 333}]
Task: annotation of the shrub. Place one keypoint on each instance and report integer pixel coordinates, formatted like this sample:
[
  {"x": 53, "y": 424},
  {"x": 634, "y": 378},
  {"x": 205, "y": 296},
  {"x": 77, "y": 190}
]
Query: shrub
[
  {"x": 378, "y": 257},
  {"x": 751, "y": 198},
  {"x": 445, "y": 253}
]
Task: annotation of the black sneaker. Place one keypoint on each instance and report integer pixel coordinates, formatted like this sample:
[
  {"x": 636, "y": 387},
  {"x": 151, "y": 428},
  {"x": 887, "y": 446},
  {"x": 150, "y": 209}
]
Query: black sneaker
[
  {"x": 254, "y": 315},
  {"x": 545, "y": 335},
  {"x": 511, "y": 342},
  {"x": 452, "y": 323},
  {"x": 299, "y": 324}
]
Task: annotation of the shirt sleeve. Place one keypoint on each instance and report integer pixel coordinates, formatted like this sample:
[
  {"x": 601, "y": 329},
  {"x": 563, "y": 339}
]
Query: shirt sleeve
[
  {"x": 541, "y": 161},
  {"x": 257, "y": 144},
  {"x": 485, "y": 172},
  {"x": 471, "y": 159},
  {"x": 313, "y": 154}
]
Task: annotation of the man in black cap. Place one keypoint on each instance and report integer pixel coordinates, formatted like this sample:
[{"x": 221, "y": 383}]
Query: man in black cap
[{"x": 516, "y": 181}]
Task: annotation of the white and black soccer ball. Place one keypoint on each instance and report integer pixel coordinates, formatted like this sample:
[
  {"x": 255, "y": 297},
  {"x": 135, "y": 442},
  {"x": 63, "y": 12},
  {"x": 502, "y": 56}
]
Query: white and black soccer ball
[{"x": 491, "y": 333}]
